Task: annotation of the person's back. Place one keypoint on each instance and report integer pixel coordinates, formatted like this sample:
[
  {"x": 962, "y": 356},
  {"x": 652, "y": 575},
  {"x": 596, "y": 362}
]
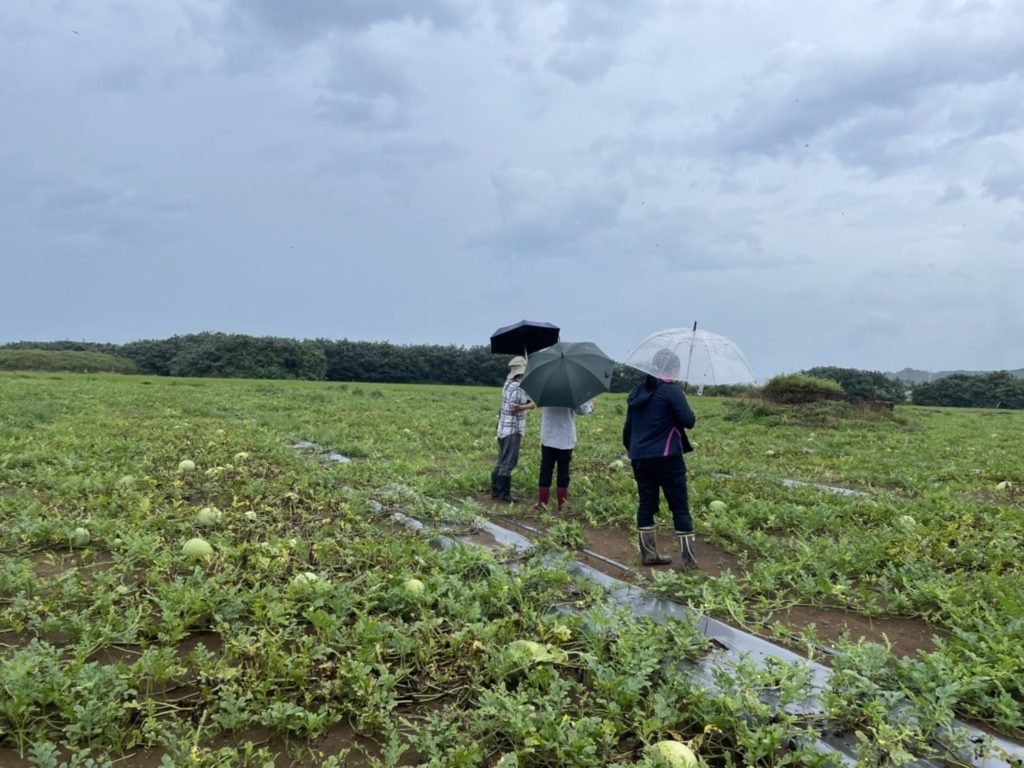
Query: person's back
[
  {"x": 557, "y": 440},
  {"x": 656, "y": 417}
]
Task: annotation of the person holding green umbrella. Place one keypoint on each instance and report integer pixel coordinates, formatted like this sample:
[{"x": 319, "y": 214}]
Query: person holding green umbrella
[
  {"x": 557, "y": 440},
  {"x": 563, "y": 380}
]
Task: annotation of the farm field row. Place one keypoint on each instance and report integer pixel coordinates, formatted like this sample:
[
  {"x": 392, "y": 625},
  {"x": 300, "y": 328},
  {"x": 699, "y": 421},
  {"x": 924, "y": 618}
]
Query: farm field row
[{"x": 302, "y": 636}]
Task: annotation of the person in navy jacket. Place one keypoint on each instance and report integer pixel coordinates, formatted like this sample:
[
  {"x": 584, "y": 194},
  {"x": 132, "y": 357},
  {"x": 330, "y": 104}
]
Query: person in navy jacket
[{"x": 654, "y": 436}]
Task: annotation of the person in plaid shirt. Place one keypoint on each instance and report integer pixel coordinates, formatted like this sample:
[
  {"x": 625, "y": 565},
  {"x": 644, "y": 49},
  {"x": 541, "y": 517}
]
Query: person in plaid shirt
[{"x": 511, "y": 428}]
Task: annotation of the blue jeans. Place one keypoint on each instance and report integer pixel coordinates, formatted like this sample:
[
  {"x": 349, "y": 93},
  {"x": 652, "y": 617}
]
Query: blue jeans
[{"x": 654, "y": 476}]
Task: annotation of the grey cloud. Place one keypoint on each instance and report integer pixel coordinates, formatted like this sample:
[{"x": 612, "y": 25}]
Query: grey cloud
[
  {"x": 298, "y": 21},
  {"x": 97, "y": 211},
  {"x": 955, "y": 9},
  {"x": 1005, "y": 182},
  {"x": 390, "y": 160},
  {"x": 952, "y": 193},
  {"x": 889, "y": 309},
  {"x": 590, "y": 19},
  {"x": 1013, "y": 232},
  {"x": 542, "y": 217},
  {"x": 800, "y": 95},
  {"x": 652, "y": 156},
  {"x": 995, "y": 110},
  {"x": 121, "y": 77},
  {"x": 18, "y": 184},
  {"x": 588, "y": 41},
  {"x": 364, "y": 110},
  {"x": 367, "y": 89},
  {"x": 582, "y": 62},
  {"x": 644, "y": 110},
  {"x": 920, "y": 292},
  {"x": 878, "y": 322},
  {"x": 877, "y": 140},
  {"x": 692, "y": 239}
]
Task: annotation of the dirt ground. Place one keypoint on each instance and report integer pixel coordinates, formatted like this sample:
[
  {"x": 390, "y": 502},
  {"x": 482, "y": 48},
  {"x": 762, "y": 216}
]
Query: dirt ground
[{"x": 905, "y": 636}]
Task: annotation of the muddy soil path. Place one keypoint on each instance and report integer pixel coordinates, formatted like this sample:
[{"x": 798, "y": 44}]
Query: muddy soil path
[{"x": 904, "y": 635}]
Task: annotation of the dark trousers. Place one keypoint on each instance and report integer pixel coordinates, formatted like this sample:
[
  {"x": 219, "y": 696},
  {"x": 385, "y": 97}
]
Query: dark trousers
[
  {"x": 668, "y": 475},
  {"x": 508, "y": 454},
  {"x": 549, "y": 458}
]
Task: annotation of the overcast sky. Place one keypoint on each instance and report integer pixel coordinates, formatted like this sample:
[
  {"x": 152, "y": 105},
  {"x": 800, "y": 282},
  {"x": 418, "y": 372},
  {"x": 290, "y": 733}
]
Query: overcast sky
[{"x": 835, "y": 183}]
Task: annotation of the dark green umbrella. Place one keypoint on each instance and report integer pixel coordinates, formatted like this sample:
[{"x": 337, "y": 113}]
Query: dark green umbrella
[{"x": 567, "y": 374}]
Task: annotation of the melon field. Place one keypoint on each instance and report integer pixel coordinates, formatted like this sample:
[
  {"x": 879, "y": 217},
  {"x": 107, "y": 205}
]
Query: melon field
[{"x": 210, "y": 573}]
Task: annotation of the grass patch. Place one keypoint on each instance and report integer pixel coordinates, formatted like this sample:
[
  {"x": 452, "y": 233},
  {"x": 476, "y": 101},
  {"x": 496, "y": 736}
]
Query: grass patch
[{"x": 64, "y": 360}]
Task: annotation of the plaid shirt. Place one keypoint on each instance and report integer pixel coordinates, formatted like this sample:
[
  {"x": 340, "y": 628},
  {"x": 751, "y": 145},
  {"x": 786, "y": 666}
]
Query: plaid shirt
[{"x": 508, "y": 422}]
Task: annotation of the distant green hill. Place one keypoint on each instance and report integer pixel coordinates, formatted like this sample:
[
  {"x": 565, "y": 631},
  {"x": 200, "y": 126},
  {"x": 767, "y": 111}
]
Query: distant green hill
[
  {"x": 915, "y": 376},
  {"x": 64, "y": 360}
]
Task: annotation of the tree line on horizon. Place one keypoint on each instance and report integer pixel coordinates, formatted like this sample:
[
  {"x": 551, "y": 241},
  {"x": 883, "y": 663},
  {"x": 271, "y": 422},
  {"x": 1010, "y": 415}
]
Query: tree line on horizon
[{"x": 224, "y": 355}]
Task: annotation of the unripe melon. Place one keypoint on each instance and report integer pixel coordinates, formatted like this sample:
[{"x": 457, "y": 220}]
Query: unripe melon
[
  {"x": 305, "y": 579},
  {"x": 186, "y": 465},
  {"x": 718, "y": 506},
  {"x": 527, "y": 651},
  {"x": 414, "y": 587},
  {"x": 197, "y": 548},
  {"x": 241, "y": 456},
  {"x": 675, "y": 754},
  {"x": 208, "y": 516},
  {"x": 1004, "y": 485},
  {"x": 80, "y": 537},
  {"x": 906, "y": 521}
]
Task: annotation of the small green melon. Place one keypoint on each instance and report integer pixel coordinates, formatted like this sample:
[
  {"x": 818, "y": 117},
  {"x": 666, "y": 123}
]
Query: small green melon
[
  {"x": 414, "y": 587},
  {"x": 208, "y": 516},
  {"x": 675, "y": 754},
  {"x": 304, "y": 579},
  {"x": 80, "y": 537},
  {"x": 197, "y": 548}
]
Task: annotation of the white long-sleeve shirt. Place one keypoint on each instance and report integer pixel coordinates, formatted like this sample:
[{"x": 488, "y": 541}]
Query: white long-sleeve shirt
[{"x": 558, "y": 425}]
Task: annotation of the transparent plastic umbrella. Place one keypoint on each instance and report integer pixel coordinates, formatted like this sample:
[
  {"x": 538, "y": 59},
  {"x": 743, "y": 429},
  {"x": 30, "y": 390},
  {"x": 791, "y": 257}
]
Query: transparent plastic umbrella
[{"x": 692, "y": 356}]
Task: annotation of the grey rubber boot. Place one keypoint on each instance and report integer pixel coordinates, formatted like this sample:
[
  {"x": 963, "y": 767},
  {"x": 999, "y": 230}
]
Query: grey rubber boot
[
  {"x": 495, "y": 492},
  {"x": 649, "y": 554},
  {"x": 686, "y": 542}
]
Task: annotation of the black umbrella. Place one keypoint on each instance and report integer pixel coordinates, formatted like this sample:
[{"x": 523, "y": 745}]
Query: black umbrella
[{"x": 523, "y": 337}]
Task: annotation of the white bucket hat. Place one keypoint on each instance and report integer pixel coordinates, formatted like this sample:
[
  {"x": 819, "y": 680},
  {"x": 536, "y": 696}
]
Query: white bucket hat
[{"x": 516, "y": 367}]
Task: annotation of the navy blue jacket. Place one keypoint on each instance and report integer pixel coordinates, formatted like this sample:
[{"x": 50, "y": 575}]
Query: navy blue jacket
[{"x": 655, "y": 419}]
